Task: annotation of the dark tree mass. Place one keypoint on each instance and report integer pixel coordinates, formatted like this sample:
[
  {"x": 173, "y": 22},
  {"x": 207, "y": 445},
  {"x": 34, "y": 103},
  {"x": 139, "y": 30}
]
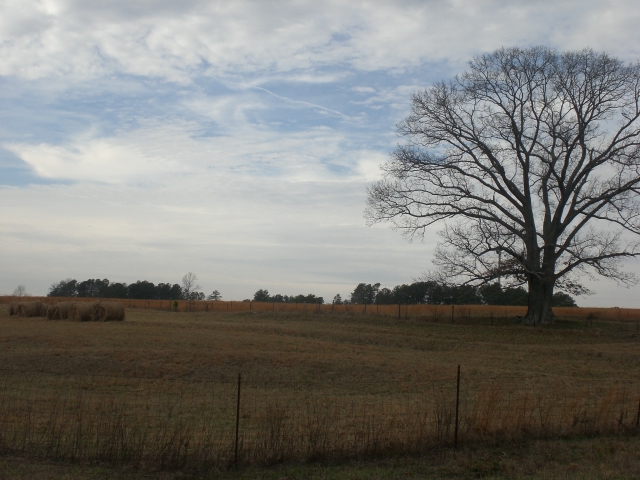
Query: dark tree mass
[
  {"x": 263, "y": 296},
  {"x": 97, "y": 288},
  {"x": 531, "y": 161},
  {"x": 434, "y": 293}
]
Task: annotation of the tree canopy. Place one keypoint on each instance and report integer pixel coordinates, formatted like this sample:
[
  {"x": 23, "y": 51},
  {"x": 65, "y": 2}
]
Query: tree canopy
[
  {"x": 434, "y": 293},
  {"x": 97, "y": 288},
  {"x": 263, "y": 295},
  {"x": 530, "y": 160}
]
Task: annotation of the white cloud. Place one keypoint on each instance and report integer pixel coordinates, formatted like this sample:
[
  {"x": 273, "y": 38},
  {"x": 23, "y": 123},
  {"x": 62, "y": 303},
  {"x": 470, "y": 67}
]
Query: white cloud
[
  {"x": 133, "y": 157},
  {"x": 235, "y": 139},
  {"x": 175, "y": 40},
  {"x": 155, "y": 154}
]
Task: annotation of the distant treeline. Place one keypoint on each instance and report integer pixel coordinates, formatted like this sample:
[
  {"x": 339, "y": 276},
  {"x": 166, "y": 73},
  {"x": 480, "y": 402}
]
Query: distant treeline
[
  {"x": 142, "y": 289},
  {"x": 434, "y": 293},
  {"x": 430, "y": 292},
  {"x": 263, "y": 296}
]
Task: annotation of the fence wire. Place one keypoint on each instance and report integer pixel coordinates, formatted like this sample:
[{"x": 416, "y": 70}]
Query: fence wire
[{"x": 173, "y": 423}]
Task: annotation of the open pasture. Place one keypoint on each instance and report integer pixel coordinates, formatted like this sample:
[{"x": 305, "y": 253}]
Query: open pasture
[{"x": 161, "y": 389}]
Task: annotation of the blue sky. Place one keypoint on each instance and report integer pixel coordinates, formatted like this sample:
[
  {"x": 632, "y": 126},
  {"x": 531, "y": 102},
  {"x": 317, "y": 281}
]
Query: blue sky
[{"x": 144, "y": 140}]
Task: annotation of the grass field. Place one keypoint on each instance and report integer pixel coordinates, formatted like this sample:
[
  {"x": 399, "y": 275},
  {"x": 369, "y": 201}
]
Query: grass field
[{"x": 160, "y": 389}]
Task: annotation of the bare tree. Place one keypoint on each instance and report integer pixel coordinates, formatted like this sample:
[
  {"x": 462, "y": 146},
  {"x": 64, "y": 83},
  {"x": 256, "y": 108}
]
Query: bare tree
[
  {"x": 190, "y": 287},
  {"x": 531, "y": 159},
  {"x": 20, "y": 291}
]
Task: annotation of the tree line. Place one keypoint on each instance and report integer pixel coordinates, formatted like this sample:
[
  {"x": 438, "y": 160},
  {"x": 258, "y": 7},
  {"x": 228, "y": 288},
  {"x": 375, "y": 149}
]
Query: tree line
[
  {"x": 140, "y": 290},
  {"x": 427, "y": 292},
  {"x": 423, "y": 292},
  {"x": 264, "y": 296},
  {"x": 434, "y": 293}
]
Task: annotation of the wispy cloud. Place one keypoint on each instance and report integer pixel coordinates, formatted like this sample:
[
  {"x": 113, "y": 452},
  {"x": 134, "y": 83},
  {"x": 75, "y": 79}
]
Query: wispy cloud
[{"x": 234, "y": 139}]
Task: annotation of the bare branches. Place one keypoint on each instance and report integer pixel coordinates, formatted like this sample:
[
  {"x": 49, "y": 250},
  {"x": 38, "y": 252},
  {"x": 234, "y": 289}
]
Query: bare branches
[{"x": 532, "y": 160}]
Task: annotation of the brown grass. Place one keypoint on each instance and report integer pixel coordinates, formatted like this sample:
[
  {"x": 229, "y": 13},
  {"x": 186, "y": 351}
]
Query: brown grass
[
  {"x": 107, "y": 311},
  {"x": 484, "y": 314},
  {"x": 160, "y": 389}
]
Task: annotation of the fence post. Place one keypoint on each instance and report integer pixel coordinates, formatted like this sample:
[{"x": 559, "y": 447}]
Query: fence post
[
  {"x": 398, "y": 310},
  {"x": 238, "y": 419},
  {"x": 452, "y": 309},
  {"x": 455, "y": 434}
]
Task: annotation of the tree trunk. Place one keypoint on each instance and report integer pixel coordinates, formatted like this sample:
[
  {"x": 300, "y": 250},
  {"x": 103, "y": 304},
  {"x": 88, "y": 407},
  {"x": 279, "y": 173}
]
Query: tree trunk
[{"x": 539, "y": 310}]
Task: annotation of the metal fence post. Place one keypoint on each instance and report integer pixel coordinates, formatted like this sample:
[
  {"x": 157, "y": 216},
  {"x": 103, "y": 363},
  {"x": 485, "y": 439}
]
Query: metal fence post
[
  {"x": 455, "y": 434},
  {"x": 238, "y": 419}
]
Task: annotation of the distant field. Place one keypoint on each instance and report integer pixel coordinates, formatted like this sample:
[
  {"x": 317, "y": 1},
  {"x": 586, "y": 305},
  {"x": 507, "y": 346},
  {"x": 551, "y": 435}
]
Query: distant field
[
  {"x": 431, "y": 312},
  {"x": 160, "y": 389}
]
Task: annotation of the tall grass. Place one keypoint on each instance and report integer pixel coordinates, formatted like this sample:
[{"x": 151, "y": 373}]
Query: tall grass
[
  {"x": 161, "y": 424},
  {"x": 455, "y": 313}
]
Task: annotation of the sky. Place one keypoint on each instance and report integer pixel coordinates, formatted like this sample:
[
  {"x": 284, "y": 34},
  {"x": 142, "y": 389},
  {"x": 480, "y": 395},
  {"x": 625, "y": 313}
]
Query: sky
[{"x": 236, "y": 139}]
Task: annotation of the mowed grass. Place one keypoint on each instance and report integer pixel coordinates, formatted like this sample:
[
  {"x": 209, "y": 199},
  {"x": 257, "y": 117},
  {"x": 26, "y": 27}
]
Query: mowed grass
[{"x": 382, "y": 367}]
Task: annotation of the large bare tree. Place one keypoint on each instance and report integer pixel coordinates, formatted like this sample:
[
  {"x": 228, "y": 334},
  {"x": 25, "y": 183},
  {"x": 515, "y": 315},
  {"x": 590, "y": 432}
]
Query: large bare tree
[{"x": 531, "y": 160}]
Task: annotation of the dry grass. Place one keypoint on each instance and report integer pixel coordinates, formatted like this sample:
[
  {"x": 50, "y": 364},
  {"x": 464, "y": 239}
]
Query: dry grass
[
  {"x": 593, "y": 458},
  {"x": 159, "y": 389},
  {"x": 476, "y": 314}
]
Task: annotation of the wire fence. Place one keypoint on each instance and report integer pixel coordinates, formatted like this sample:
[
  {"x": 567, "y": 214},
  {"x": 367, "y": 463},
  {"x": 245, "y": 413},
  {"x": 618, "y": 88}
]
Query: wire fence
[{"x": 198, "y": 424}]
